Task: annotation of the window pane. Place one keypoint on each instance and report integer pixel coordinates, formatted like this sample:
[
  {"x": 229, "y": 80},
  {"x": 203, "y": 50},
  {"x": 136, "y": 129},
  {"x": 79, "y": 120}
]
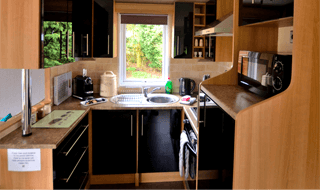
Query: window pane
[{"x": 144, "y": 51}]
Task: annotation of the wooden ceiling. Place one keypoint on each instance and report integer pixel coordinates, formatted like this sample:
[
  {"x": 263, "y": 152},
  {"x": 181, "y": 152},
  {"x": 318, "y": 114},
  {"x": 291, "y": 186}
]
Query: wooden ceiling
[{"x": 159, "y": 1}]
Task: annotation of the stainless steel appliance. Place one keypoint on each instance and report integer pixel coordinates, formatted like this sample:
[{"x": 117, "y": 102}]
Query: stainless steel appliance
[
  {"x": 186, "y": 86},
  {"x": 264, "y": 74}
]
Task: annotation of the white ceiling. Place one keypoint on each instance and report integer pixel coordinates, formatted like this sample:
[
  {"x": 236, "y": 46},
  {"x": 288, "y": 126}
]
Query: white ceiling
[{"x": 159, "y": 1}]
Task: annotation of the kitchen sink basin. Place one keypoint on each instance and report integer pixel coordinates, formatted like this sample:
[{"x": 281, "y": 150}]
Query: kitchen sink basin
[
  {"x": 162, "y": 99},
  {"x": 153, "y": 99}
]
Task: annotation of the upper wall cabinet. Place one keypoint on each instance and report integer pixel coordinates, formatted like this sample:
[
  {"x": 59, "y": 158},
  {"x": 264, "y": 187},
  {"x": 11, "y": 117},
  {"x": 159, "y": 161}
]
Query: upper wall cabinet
[
  {"x": 82, "y": 27},
  {"x": 255, "y": 11},
  {"x": 56, "y": 31},
  {"x": 103, "y": 28},
  {"x": 183, "y": 28}
]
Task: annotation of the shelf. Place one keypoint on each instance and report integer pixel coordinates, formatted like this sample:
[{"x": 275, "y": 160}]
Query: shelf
[
  {"x": 198, "y": 47},
  {"x": 282, "y": 22},
  {"x": 197, "y": 14},
  {"x": 199, "y": 25},
  {"x": 232, "y": 99}
]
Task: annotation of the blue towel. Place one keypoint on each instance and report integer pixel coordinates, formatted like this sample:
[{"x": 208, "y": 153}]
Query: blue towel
[{"x": 6, "y": 118}]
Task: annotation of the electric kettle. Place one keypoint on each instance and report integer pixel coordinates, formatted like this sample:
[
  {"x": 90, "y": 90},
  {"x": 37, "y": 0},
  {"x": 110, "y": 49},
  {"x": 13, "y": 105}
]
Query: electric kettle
[{"x": 185, "y": 86}]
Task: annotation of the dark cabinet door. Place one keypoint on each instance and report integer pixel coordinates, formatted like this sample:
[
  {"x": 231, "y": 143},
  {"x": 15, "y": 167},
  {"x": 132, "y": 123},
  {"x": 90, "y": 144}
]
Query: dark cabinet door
[
  {"x": 156, "y": 149},
  {"x": 103, "y": 28},
  {"x": 82, "y": 27},
  {"x": 183, "y": 28},
  {"x": 113, "y": 142},
  {"x": 56, "y": 31}
]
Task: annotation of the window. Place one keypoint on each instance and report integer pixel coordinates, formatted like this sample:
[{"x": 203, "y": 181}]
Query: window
[{"x": 143, "y": 50}]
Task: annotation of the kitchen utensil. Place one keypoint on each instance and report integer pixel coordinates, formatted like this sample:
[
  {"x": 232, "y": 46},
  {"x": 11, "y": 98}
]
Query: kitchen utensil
[
  {"x": 94, "y": 101},
  {"x": 185, "y": 86},
  {"x": 108, "y": 84}
]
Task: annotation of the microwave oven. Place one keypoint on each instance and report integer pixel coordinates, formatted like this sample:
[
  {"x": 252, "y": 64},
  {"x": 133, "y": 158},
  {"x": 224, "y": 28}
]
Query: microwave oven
[{"x": 264, "y": 74}]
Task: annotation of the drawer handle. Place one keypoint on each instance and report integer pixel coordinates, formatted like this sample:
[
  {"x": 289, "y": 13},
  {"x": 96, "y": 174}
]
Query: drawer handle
[
  {"x": 67, "y": 179},
  {"x": 87, "y": 173},
  {"x": 66, "y": 153}
]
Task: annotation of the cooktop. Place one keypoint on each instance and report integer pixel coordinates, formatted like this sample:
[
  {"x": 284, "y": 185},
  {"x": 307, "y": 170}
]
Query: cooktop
[{"x": 59, "y": 119}]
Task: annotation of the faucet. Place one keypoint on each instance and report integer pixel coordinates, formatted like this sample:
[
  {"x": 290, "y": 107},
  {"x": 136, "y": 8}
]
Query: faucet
[{"x": 145, "y": 91}]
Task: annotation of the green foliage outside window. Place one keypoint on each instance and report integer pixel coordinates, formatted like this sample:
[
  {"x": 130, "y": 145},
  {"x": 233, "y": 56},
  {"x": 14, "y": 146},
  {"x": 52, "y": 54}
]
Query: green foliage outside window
[
  {"x": 144, "y": 50},
  {"x": 55, "y": 43}
]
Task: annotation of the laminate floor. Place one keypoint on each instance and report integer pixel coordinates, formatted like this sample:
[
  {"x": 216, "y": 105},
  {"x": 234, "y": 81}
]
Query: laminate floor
[{"x": 160, "y": 185}]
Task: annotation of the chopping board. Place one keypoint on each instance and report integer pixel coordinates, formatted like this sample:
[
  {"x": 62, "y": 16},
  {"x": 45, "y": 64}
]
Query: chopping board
[{"x": 59, "y": 119}]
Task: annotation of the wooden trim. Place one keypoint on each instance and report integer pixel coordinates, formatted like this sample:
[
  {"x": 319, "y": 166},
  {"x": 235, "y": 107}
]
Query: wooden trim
[
  {"x": 47, "y": 85},
  {"x": 139, "y": 8},
  {"x": 9, "y": 129},
  {"x": 282, "y": 22},
  {"x": 88, "y": 184},
  {"x": 112, "y": 179},
  {"x": 27, "y": 180},
  {"x": 160, "y": 177},
  {"x": 137, "y": 179}
]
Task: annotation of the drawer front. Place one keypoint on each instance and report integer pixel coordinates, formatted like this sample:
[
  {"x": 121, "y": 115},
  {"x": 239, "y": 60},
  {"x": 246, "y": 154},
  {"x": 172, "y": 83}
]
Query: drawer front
[{"x": 70, "y": 159}]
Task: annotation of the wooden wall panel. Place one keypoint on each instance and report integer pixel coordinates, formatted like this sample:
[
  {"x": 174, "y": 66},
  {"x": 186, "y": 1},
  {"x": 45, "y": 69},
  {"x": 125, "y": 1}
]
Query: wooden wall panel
[
  {"x": 224, "y": 44},
  {"x": 277, "y": 141},
  {"x": 263, "y": 39},
  {"x": 20, "y": 34},
  {"x": 27, "y": 180}
]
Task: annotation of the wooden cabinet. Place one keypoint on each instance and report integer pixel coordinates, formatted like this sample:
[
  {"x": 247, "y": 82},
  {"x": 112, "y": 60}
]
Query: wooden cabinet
[
  {"x": 183, "y": 28},
  {"x": 20, "y": 34},
  {"x": 251, "y": 12},
  {"x": 82, "y": 27},
  {"x": 156, "y": 151},
  {"x": 113, "y": 142},
  {"x": 103, "y": 28}
]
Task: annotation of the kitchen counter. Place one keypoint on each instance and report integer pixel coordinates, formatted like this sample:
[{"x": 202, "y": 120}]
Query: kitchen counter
[
  {"x": 231, "y": 98},
  {"x": 51, "y": 138}
]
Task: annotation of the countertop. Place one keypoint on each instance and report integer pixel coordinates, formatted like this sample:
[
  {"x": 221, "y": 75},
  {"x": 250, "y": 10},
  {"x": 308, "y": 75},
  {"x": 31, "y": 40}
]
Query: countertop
[
  {"x": 51, "y": 138},
  {"x": 231, "y": 98}
]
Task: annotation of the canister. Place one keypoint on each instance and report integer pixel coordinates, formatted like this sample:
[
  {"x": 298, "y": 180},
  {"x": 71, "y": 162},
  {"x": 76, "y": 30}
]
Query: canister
[{"x": 108, "y": 84}]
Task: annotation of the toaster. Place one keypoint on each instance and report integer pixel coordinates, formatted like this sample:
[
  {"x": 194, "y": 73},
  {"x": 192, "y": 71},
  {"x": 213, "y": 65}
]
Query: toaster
[{"x": 82, "y": 87}]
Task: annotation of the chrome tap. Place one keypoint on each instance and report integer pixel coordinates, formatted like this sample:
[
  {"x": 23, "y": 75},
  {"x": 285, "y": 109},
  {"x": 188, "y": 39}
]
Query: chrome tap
[{"x": 145, "y": 91}]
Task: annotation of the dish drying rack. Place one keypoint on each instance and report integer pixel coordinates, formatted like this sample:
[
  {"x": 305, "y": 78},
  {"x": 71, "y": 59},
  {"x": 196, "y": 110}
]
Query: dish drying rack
[{"x": 127, "y": 99}]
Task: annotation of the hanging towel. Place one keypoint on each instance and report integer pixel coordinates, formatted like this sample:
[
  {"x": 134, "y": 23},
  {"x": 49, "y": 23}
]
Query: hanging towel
[
  {"x": 186, "y": 157},
  {"x": 193, "y": 158},
  {"x": 183, "y": 141}
]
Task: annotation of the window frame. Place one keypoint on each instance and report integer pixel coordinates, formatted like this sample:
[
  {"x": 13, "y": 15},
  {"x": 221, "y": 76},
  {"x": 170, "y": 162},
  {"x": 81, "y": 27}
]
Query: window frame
[{"x": 122, "y": 60}]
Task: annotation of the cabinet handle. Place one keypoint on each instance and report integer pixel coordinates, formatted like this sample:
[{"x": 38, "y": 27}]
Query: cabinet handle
[
  {"x": 131, "y": 124},
  {"x": 108, "y": 45},
  {"x": 87, "y": 44},
  {"x": 178, "y": 44},
  {"x": 73, "y": 44},
  {"x": 66, "y": 153},
  {"x": 142, "y": 125},
  {"x": 67, "y": 179}
]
